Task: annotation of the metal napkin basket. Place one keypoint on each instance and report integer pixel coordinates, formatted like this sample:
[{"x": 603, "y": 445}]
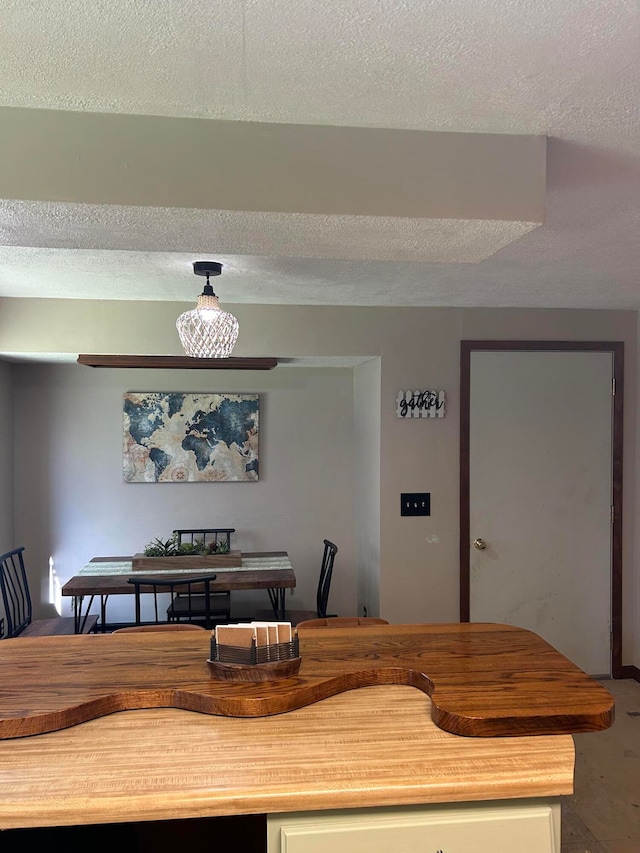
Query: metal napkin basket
[{"x": 254, "y": 655}]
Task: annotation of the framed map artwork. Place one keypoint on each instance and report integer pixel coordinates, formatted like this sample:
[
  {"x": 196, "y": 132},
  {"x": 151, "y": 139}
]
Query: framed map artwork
[{"x": 186, "y": 438}]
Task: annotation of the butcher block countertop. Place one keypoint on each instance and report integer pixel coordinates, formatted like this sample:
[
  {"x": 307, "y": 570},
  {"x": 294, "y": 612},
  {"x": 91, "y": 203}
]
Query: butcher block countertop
[
  {"x": 324, "y": 739},
  {"x": 484, "y": 680},
  {"x": 365, "y": 748}
]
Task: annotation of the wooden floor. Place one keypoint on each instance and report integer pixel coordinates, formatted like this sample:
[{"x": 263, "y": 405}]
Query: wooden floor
[{"x": 603, "y": 815}]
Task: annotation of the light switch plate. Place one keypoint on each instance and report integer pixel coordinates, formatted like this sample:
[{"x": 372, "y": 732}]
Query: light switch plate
[{"x": 415, "y": 503}]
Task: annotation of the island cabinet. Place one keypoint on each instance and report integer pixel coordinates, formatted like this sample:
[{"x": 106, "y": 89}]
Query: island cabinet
[{"x": 522, "y": 827}]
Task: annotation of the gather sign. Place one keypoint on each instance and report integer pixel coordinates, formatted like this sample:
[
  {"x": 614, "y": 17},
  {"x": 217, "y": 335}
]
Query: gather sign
[{"x": 420, "y": 404}]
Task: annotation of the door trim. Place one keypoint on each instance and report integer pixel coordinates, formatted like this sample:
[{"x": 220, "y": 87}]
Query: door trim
[{"x": 617, "y": 350}]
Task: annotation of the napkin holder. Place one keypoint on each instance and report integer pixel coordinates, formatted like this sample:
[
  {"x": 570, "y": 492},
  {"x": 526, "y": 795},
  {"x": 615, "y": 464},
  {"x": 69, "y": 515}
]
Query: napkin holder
[{"x": 257, "y": 663}]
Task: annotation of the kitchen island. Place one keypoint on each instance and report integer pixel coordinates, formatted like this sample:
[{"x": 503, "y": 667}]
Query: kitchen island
[{"x": 346, "y": 772}]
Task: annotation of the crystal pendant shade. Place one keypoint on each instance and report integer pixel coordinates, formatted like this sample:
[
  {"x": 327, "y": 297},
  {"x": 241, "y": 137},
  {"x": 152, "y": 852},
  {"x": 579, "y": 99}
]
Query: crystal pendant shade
[{"x": 207, "y": 331}]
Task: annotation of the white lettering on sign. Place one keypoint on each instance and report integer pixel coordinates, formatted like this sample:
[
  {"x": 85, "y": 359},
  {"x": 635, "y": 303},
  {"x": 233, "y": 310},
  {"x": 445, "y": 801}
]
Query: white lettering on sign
[{"x": 420, "y": 404}]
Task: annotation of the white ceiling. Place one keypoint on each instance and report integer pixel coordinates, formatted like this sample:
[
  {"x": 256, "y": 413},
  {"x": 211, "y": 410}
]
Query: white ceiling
[{"x": 565, "y": 69}]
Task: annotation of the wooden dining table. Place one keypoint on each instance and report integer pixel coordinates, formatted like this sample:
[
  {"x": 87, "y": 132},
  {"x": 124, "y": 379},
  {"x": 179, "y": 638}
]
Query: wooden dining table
[{"x": 103, "y": 577}]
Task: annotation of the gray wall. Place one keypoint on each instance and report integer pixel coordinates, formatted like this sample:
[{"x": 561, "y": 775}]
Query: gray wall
[{"x": 72, "y": 503}]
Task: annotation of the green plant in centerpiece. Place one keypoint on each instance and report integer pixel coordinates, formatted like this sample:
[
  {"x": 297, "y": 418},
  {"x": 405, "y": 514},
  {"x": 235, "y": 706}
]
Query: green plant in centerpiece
[
  {"x": 172, "y": 548},
  {"x": 163, "y": 547}
]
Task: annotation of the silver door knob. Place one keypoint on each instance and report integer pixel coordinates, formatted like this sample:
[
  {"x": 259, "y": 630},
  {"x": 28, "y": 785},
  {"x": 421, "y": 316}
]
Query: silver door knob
[{"x": 480, "y": 544}]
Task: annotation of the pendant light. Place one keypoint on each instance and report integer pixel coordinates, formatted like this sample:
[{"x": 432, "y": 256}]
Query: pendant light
[{"x": 207, "y": 331}]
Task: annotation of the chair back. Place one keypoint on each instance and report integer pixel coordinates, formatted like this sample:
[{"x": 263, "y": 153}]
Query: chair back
[
  {"x": 166, "y": 626},
  {"x": 207, "y": 535},
  {"x": 16, "y": 598},
  {"x": 324, "y": 581},
  {"x": 343, "y": 622},
  {"x": 196, "y": 590}
]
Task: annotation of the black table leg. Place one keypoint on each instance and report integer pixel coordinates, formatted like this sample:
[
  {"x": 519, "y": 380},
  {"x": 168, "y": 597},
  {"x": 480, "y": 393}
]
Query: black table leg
[
  {"x": 103, "y": 612},
  {"x": 277, "y": 603},
  {"x": 80, "y": 619}
]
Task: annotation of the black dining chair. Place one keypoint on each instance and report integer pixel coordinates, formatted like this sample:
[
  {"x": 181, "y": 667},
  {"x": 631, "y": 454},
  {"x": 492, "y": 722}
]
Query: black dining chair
[
  {"x": 16, "y": 620},
  {"x": 194, "y": 591},
  {"x": 208, "y": 535},
  {"x": 322, "y": 592},
  {"x": 221, "y": 601}
]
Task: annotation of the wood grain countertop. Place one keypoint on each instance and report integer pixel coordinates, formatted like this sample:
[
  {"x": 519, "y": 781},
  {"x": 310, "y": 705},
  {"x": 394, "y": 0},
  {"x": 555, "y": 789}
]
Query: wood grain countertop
[
  {"x": 365, "y": 748},
  {"x": 484, "y": 680}
]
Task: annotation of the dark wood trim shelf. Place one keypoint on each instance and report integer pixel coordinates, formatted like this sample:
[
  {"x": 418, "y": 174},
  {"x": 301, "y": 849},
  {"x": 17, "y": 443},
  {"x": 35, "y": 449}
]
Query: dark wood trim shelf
[{"x": 181, "y": 362}]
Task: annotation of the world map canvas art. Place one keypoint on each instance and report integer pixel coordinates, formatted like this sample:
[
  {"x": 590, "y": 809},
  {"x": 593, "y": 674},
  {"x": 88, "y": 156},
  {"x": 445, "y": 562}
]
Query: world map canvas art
[{"x": 186, "y": 438}]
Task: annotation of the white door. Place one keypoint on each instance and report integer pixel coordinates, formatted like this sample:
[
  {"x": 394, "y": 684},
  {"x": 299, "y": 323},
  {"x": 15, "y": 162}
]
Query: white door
[{"x": 540, "y": 494}]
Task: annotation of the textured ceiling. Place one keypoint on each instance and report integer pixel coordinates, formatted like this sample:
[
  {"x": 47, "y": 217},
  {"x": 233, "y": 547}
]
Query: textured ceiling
[{"x": 564, "y": 69}]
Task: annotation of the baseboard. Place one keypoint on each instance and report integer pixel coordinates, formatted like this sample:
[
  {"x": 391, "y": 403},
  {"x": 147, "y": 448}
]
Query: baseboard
[{"x": 629, "y": 671}]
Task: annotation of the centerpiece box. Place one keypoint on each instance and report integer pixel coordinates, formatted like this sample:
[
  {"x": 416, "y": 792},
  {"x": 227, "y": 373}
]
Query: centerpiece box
[{"x": 188, "y": 561}]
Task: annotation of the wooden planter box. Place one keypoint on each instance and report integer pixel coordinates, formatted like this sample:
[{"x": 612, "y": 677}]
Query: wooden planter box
[{"x": 197, "y": 562}]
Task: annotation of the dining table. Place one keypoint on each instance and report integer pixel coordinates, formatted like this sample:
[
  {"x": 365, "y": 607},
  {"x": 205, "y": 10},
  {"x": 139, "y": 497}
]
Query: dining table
[
  {"x": 413, "y": 737},
  {"x": 103, "y": 577}
]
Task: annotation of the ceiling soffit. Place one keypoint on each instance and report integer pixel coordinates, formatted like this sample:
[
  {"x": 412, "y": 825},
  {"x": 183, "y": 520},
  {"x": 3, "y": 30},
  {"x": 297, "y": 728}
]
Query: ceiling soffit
[{"x": 466, "y": 195}]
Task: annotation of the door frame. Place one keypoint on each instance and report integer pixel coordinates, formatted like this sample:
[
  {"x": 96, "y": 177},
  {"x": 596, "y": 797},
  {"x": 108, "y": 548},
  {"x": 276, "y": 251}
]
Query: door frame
[{"x": 616, "y": 348}]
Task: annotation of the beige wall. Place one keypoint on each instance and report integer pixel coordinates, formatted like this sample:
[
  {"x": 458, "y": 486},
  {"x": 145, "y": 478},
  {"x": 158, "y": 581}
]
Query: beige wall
[
  {"x": 6, "y": 458},
  {"x": 418, "y": 348},
  {"x": 634, "y": 548},
  {"x": 367, "y": 484}
]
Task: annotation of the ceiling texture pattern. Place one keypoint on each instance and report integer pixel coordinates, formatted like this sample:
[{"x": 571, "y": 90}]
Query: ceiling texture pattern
[{"x": 387, "y": 79}]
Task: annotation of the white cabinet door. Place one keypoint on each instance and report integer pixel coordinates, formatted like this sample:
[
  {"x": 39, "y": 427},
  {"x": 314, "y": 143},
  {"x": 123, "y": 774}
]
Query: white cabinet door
[{"x": 518, "y": 827}]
